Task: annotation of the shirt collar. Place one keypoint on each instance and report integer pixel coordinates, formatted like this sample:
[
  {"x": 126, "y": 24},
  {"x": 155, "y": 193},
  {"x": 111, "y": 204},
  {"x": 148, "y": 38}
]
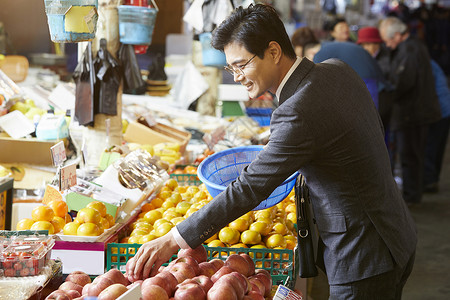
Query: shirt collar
[{"x": 286, "y": 77}]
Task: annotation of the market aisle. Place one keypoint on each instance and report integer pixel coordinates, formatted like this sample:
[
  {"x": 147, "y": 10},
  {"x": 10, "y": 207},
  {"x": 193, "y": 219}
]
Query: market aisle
[{"x": 430, "y": 278}]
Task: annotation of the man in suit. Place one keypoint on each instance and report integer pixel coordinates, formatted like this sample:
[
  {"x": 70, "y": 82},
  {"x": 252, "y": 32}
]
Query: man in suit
[{"x": 327, "y": 127}]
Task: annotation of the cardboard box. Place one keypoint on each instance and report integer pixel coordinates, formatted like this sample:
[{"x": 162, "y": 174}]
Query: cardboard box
[
  {"x": 27, "y": 151},
  {"x": 160, "y": 133}
]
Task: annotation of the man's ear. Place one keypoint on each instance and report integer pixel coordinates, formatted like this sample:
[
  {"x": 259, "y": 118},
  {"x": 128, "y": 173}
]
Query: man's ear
[{"x": 275, "y": 52}]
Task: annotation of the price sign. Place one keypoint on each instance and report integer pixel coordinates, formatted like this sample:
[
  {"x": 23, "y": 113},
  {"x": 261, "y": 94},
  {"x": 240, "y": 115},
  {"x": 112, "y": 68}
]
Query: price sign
[
  {"x": 51, "y": 193},
  {"x": 67, "y": 177},
  {"x": 58, "y": 154}
]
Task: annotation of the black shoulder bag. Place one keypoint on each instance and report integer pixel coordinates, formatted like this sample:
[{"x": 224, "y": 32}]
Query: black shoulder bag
[{"x": 306, "y": 231}]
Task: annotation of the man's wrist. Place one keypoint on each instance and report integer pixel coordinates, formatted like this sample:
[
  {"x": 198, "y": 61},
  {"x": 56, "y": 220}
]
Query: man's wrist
[{"x": 179, "y": 239}]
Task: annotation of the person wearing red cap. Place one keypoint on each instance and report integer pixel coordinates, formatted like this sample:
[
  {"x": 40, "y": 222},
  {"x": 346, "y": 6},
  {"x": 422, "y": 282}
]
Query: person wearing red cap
[{"x": 369, "y": 38}]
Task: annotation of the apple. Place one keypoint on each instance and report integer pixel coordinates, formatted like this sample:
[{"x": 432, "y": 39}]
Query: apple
[
  {"x": 189, "y": 291},
  {"x": 265, "y": 277},
  {"x": 116, "y": 276},
  {"x": 235, "y": 282},
  {"x": 243, "y": 280},
  {"x": 189, "y": 260},
  {"x": 252, "y": 295},
  {"x": 79, "y": 277},
  {"x": 74, "y": 294},
  {"x": 68, "y": 285},
  {"x": 112, "y": 292},
  {"x": 182, "y": 271},
  {"x": 257, "y": 285},
  {"x": 154, "y": 292},
  {"x": 222, "y": 271},
  {"x": 58, "y": 295},
  {"x": 224, "y": 291},
  {"x": 165, "y": 283},
  {"x": 207, "y": 269},
  {"x": 203, "y": 281},
  {"x": 238, "y": 263},
  {"x": 217, "y": 262},
  {"x": 173, "y": 282},
  {"x": 199, "y": 253},
  {"x": 251, "y": 263}
]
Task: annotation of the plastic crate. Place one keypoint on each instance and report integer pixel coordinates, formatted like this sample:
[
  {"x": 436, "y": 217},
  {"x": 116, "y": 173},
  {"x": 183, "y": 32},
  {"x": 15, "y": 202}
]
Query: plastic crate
[
  {"x": 186, "y": 179},
  {"x": 281, "y": 263}
]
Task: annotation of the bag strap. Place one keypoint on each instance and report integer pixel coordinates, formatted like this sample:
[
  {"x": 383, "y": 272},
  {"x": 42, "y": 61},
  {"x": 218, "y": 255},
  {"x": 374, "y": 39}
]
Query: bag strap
[{"x": 302, "y": 220}]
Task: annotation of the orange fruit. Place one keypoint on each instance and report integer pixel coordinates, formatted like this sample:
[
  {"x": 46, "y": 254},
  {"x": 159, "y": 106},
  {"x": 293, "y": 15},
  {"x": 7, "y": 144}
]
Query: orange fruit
[
  {"x": 88, "y": 215},
  {"x": 257, "y": 254},
  {"x": 43, "y": 225},
  {"x": 275, "y": 240},
  {"x": 88, "y": 229},
  {"x": 152, "y": 216},
  {"x": 157, "y": 202},
  {"x": 24, "y": 224},
  {"x": 212, "y": 238},
  {"x": 147, "y": 238},
  {"x": 98, "y": 205},
  {"x": 172, "y": 183},
  {"x": 240, "y": 224},
  {"x": 229, "y": 235},
  {"x": 71, "y": 228},
  {"x": 177, "y": 220},
  {"x": 134, "y": 239},
  {"x": 105, "y": 223},
  {"x": 110, "y": 219},
  {"x": 68, "y": 218},
  {"x": 58, "y": 223},
  {"x": 59, "y": 207},
  {"x": 159, "y": 222},
  {"x": 147, "y": 207},
  {"x": 250, "y": 237},
  {"x": 216, "y": 243},
  {"x": 42, "y": 213}
]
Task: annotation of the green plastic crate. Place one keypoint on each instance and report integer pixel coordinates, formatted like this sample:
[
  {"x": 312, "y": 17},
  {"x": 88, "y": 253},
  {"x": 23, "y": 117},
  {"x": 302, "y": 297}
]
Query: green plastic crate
[
  {"x": 279, "y": 262},
  {"x": 186, "y": 179}
]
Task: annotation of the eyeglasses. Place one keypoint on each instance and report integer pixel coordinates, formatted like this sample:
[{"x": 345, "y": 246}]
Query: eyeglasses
[{"x": 239, "y": 70}]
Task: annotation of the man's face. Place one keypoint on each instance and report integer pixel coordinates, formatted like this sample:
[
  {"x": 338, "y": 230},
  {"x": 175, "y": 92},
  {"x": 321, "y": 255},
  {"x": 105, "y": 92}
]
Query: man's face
[
  {"x": 391, "y": 42},
  {"x": 256, "y": 76}
]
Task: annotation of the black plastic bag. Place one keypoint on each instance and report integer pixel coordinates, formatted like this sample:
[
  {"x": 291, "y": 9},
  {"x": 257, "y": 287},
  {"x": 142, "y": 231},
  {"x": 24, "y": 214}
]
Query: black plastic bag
[
  {"x": 133, "y": 82},
  {"x": 84, "y": 78},
  {"x": 108, "y": 77}
]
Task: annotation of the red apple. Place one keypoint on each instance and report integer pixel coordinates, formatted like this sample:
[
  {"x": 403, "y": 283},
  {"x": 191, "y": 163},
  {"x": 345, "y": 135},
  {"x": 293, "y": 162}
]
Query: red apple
[
  {"x": 166, "y": 284},
  {"x": 237, "y": 283},
  {"x": 207, "y": 269},
  {"x": 218, "y": 263},
  {"x": 182, "y": 271},
  {"x": 243, "y": 280},
  {"x": 154, "y": 292},
  {"x": 238, "y": 263},
  {"x": 189, "y": 291},
  {"x": 79, "y": 277},
  {"x": 224, "y": 291},
  {"x": 222, "y": 271},
  {"x": 112, "y": 292},
  {"x": 68, "y": 285},
  {"x": 199, "y": 253},
  {"x": 257, "y": 285},
  {"x": 74, "y": 294},
  {"x": 203, "y": 281},
  {"x": 266, "y": 279},
  {"x": 189, "y": 260},
  {"x": 58, "y": 295},
  {"x": 251, "y": 263},
  {"x": 116, "y": 276},
  {"x": 254, "y": 296},
  {"x": 170, "y": 278}
]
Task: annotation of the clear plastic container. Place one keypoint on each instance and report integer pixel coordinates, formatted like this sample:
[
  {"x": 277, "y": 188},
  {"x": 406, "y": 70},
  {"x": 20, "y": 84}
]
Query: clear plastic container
[{"x": 24, "y": 260}]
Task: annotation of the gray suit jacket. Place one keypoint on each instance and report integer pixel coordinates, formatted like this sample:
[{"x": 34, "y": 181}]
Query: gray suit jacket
[{"x": 327, "y": 127}]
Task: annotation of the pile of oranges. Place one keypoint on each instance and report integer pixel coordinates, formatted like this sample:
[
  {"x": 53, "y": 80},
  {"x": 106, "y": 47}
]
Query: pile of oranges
[
  {"x": 54, "y": 217},
  {"x": 269, "y": 228}
]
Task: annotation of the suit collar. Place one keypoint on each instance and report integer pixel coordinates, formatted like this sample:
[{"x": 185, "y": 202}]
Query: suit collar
[{"x": 294, "y": 80}]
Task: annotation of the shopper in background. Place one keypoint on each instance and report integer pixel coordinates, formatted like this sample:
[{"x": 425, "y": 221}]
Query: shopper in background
[
  {"x": 326, "y": 127},
  {"x": 415, "y": 103},
  {"x": 438, "y": 133},
  {"x": 301, "y": 37},
  {"x": 369, "y": 38},
  {"x": 340, "y": 31}
]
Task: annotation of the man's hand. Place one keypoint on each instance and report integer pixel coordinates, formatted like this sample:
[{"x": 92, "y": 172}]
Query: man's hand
[{"x": 151, "y": 256}]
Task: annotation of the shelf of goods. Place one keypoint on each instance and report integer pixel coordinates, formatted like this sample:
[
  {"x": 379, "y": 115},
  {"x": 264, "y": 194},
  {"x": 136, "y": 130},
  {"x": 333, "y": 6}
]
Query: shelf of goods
[{"x": 281, "y": 263}]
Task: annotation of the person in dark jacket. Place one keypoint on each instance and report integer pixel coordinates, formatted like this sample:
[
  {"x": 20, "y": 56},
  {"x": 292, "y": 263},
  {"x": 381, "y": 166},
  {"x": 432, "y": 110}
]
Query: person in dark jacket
[{"x": 415, "y": 103}]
